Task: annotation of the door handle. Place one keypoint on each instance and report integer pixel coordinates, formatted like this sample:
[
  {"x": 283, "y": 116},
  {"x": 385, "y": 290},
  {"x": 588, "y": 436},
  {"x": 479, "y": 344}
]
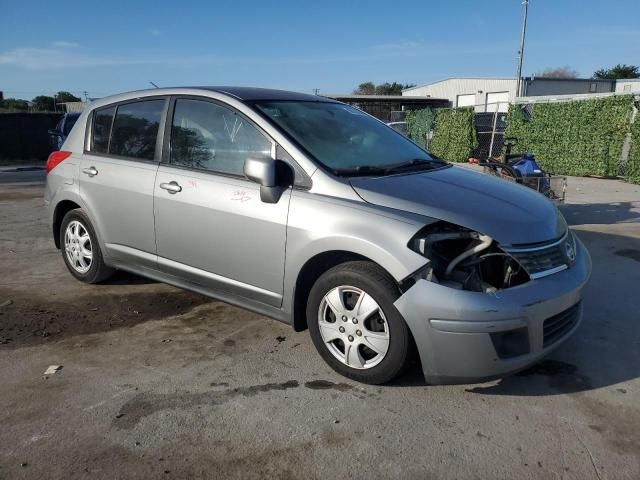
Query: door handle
[
  {"x": 171, "y": 187},
  {"x": 91, "y": 171}
]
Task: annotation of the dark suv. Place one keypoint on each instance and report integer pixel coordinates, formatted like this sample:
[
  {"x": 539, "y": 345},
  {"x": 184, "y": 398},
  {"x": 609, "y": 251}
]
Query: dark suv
[{"x": 58, "y": 135}]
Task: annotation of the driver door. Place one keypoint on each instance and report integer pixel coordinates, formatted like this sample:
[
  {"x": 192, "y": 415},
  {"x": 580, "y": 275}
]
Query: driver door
[{"x": 212, "y": 229}]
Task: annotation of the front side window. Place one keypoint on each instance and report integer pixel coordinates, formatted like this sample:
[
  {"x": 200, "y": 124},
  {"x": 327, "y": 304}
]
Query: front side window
[
  {"x": 102, "y": 120},
  {"x": 135, "y": 129},
  {"x": 345, "y": 139},
  {"x": 208, "y": 136}
]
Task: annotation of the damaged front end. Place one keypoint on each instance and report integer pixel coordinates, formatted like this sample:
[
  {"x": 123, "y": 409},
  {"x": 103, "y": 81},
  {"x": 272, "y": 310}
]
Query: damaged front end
[
  {"x": 463, "y": 259},
  {"x": 469, "y": 323}
]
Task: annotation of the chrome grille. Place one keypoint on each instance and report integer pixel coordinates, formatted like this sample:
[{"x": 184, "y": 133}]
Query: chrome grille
[
  {"x": 542, "y": 260},
  {"x": 557, "y": 326}
]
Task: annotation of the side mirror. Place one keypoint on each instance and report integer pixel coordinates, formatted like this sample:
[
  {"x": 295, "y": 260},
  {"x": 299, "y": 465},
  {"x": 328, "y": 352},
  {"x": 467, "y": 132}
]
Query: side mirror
[
  {"x": 55, "y": 133},
  {"x": 273, "y": 176}
]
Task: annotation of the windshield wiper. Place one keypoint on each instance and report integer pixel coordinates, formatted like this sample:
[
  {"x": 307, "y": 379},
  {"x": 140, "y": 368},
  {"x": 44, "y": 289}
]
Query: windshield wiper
[
  {"x": 361, "y": 171},
  {"x": 415, "y": 164},
  {"x": 371, "y": 170}
]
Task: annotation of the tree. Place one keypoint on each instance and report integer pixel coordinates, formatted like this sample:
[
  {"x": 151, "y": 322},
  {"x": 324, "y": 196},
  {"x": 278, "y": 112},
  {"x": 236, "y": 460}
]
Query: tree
[
  {"x": 368, "y": 88},
  {"x": 66, "y": 97},
  {"x": 44, "y": 103},
  {"x": 619, "y": 71},
  {"x": 387, "y": 88},
  {"x": 558, "y": 72},
  {"x": 14, "y": 104}
]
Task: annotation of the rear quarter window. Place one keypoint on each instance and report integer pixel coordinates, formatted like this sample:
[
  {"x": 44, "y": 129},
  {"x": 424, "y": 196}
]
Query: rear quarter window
[{"x": 102, "y": 120}]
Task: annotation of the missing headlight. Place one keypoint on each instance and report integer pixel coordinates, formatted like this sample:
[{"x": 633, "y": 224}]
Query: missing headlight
[{"x": 463, "y": 259}]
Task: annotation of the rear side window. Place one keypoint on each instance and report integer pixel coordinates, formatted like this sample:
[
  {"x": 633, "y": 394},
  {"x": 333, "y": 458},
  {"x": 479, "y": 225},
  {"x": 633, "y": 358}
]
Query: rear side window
[
  {"x": 103, "y": 119},
  {"x": 135, "y": 129}
]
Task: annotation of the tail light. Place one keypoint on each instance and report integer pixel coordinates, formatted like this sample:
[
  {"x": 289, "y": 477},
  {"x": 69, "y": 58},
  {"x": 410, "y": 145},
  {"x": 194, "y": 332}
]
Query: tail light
[{"x": 55, "y": 158}]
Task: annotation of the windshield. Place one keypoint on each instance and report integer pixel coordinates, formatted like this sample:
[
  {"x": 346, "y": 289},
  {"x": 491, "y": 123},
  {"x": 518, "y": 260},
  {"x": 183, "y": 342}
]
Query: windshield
[{"x": 345, "y": 140}]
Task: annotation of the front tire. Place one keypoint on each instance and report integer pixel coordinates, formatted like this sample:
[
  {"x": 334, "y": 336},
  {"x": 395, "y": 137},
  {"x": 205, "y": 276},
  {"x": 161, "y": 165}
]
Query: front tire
[
  {"x": 80, "y": 248},
  {"x": 354, "y": 325}
]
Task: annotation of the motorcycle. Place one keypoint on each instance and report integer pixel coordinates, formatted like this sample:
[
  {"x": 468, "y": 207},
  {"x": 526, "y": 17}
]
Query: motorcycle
[{"x": 523, "y": 168}]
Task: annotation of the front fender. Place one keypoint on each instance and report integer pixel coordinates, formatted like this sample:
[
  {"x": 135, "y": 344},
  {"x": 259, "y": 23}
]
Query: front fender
[{"x": 319, "y": 224}]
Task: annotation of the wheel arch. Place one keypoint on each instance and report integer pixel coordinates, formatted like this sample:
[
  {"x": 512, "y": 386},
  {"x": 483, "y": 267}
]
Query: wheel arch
[
  {"x": 62, "y": 208},
  {"x": 311, "y": 271}
]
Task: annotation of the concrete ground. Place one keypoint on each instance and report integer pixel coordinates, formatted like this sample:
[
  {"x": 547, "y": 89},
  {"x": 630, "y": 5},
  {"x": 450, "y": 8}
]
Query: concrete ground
[{"x": 158, "y": 382}]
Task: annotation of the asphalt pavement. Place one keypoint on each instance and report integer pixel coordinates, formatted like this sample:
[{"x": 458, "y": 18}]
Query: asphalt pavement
[
  {"x": 158, "y": 382},
  {"x": 34, "y": 174}
]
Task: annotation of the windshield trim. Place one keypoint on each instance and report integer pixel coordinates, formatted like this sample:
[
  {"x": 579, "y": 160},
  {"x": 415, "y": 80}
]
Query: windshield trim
[{"x": 253, "y": 104}]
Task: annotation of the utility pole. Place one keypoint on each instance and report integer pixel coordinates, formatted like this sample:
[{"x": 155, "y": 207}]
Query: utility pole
[
  {"x": 86, "y": 96},
  {"x": 316, "y": 91},
  {"x": 521, "y": 51}
]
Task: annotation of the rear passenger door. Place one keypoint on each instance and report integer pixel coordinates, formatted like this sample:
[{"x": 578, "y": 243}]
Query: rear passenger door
[
  {"x": 211, "y": 226},
  {"x": 117, "y": 174}
]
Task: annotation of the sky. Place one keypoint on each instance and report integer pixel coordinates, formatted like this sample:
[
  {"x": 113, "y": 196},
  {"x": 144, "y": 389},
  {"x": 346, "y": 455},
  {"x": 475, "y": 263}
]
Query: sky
[{"x": 110, "y": 47}]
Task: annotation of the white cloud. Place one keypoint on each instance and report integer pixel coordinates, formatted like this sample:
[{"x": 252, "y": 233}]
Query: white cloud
[
  {"x": 62, "y": 54},
  {"x": 400, "y": 45},
  {"x": 63, "y": 44},
  {"x": 51, "y": 58},
  {"x": 67, "y": 55}
]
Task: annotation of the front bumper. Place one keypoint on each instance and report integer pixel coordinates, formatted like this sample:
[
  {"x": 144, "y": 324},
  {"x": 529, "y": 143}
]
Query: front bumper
[{"x": 453, "y": 328}]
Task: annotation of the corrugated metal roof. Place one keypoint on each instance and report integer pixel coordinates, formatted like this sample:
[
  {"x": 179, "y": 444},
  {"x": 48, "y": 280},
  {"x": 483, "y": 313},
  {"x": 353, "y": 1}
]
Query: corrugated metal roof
[
  {"x": 400, "y": 99},
  {"x": 457, "y": 78}
]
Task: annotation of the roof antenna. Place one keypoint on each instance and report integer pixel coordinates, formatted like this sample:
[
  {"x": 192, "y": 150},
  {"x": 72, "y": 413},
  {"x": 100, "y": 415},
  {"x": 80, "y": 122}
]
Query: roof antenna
[{"x": 154, "y": 84}]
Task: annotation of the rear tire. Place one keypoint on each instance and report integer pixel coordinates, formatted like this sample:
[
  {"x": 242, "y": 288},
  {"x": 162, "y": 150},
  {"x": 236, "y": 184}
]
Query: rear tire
[
  {"x": 354, "y": 325},
  {"x": 80, "y": 248}
]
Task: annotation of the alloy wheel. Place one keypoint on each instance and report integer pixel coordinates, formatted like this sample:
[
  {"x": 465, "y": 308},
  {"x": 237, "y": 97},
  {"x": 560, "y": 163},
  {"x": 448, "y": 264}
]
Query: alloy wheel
[
  {"x": 77, "y": 245},
  {"x": 353, "y": 327}
]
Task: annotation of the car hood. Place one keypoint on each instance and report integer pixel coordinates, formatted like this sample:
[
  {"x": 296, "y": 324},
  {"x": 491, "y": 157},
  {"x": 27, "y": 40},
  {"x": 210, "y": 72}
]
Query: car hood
[{"x": 509, "y": 213}]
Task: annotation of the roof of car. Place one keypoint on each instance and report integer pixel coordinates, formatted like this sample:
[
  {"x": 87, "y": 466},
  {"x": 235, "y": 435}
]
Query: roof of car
[
  {"x": 255, "y": 93},
  {"x": 242, "y": 94}
]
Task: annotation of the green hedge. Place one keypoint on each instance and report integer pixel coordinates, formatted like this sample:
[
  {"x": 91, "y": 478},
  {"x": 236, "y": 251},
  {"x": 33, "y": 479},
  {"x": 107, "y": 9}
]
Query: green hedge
[
  {"x": 583, "y": 137},
  {"x": 419, "y": 124},
  {"x": 632, "y": 170},
  {"x": 454, "y": 133},
  {"x": 454, "y": 136}
]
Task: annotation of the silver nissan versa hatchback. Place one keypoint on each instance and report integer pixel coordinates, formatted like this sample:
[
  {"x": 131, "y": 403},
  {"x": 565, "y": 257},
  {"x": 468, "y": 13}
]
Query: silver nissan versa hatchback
[{"x": 314, "y": 213}]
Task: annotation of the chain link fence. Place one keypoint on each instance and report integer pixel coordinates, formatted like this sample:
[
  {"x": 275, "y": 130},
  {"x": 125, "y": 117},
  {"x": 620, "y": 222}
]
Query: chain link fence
[{"x": 490, "y": 128}]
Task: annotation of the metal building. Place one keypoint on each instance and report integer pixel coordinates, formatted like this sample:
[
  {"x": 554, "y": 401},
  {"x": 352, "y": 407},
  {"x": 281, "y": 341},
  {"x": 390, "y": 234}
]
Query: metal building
[
  {"x": 539, "y": 86},
  {"x": 383, "y": 107},
  {"x": 495, "y": 94},
  {"x": 486, "y": 94},
  {"x": 628, "y": 85}
]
